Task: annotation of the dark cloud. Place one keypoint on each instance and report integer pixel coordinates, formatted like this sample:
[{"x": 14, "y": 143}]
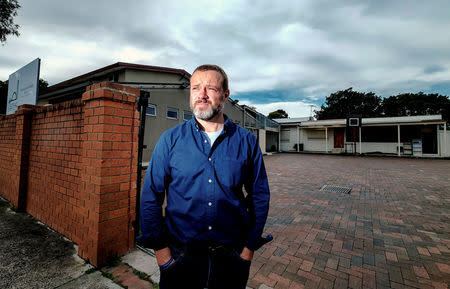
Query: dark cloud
[
  {"x": 10, "y": 62},
  {"x": 292, "y": 51},
  {"x": 433, "y": 68},
  {"x": 267, "y": 96}
]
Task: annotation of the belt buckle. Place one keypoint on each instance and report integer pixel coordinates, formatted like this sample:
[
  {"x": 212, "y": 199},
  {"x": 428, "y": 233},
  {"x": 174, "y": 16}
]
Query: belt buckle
[{"x": 219, "y": 250}]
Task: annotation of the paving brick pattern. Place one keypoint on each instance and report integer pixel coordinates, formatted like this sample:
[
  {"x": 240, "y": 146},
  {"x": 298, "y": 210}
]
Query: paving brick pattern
[{"x": 391, "y": 231}]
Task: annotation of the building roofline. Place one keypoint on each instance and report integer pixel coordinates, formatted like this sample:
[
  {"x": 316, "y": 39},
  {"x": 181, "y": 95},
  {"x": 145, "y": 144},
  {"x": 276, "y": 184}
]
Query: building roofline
[
  {"x": 432, "y": 119},
  {"x": 401, "y": 119},
  {"x": 112, "y": 68},
  {"x": 292, "y": 120}
]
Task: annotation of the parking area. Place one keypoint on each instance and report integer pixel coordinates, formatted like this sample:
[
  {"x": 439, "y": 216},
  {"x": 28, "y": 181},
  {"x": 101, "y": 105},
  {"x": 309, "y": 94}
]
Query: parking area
[{"x": 391, "y": 231}]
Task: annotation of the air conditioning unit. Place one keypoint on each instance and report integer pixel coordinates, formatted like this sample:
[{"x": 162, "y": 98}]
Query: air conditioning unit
[{"x": 353, "y": 121}]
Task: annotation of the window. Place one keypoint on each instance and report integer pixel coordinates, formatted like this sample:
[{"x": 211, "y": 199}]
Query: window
[
  {"x": 151, "y": 110},
  {"x": 187, "y": 115},
  {"x": 285, "y": 134},
  {"x": 316, "y": 134},
  {"x": 172, "y": 113}
]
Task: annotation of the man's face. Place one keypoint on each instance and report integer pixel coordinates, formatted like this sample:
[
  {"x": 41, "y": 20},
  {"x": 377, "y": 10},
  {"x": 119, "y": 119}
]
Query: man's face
[{"x": 207, "y": 96}]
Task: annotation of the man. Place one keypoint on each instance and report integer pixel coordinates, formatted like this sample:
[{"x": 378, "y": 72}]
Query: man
[{"x": 211, "y": 228}]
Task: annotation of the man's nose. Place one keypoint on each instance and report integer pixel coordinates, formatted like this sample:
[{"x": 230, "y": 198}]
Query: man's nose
[{"x": 203, "y": 93}]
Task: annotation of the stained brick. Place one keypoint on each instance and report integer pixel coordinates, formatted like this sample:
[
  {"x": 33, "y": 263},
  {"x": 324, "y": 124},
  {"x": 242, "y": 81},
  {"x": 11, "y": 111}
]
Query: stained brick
[
  {"x": 395, "y": 274},
  {"x": 357, "y": 261}
]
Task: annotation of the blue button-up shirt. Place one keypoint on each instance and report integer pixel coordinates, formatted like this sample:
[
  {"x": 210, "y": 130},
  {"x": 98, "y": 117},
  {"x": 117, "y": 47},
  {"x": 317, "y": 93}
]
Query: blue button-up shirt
[{"x": 204, "y": 188}]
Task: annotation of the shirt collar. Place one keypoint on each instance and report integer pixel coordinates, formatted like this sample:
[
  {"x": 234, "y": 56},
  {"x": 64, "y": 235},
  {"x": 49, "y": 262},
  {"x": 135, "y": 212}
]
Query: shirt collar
[{"x": 228, "y": 125}]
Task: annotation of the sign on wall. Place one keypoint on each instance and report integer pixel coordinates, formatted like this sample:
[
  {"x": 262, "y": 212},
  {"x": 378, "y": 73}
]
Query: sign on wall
[{"x": 23, "y": 86}]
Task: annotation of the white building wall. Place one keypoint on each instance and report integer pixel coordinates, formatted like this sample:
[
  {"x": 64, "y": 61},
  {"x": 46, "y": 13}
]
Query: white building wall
[
  {"x": 314, "y": 144},
  {"x": 442, "y": 149},
  {"x": 294, "y": 138},
  {"x": 262, "y": 140},
  {"x": 288, "y": 145}
]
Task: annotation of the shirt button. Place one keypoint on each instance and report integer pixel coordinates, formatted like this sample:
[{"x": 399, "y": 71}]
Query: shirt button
[
  {"x": 209, "y": 159},
  {"x": 206, "y": 141},
  {"x": 210, "y": 204},
  {"x": 209, "y": 181},
  {"x": 210, "y": 228}
]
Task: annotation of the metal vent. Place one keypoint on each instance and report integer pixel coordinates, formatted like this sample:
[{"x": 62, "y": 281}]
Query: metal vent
[{"x": 336, "y": 189}]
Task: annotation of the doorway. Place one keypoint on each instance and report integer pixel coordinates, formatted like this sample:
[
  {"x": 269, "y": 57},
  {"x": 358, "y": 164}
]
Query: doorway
[
  {"x": 429, "y": 139},
  {"x": 339, "y": 137}
]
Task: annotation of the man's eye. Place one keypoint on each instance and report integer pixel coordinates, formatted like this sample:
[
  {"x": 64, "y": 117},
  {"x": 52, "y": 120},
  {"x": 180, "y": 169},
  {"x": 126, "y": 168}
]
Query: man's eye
[
  {"x": 212, "y": 88},
  {"x": 195, "y": 88}
]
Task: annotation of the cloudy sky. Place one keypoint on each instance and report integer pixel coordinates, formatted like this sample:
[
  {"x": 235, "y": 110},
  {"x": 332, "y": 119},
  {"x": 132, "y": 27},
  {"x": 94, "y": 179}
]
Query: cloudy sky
[{"x": 278, "y": 54}]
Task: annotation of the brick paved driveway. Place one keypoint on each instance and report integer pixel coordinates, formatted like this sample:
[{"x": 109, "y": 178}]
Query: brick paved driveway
[{"x": 391, "y": 231}]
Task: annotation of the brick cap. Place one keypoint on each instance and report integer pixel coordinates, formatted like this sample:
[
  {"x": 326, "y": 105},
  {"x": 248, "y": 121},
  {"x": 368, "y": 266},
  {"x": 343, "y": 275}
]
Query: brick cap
[
  {"x": 26, "y": 109},
  {"x": 111, "y": 90}
]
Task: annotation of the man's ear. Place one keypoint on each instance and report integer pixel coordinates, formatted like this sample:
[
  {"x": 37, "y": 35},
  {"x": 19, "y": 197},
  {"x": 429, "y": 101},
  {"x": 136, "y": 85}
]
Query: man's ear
[{"x": 226, "y": 95}]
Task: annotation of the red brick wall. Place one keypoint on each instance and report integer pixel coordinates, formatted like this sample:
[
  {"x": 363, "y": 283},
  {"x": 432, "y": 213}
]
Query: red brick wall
[
  {"x": 8, "y": 181},
  {"x": 54, "y": 180},
  {"x": 14, "y": 149},
  {"x": 76, "y": 168},
  {"x": 109, "y": 173}
]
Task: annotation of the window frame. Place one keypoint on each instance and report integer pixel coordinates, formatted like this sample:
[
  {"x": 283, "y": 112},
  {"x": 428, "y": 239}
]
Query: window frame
[
  {"x": 184, "y": 114},
  {"x": 146, "y": 110},
  {"x": 172, "y": 109}
]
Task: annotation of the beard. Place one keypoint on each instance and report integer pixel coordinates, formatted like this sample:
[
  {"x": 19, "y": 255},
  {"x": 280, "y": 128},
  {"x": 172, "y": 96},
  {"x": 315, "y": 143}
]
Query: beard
[{"x": 207, "y": 114}]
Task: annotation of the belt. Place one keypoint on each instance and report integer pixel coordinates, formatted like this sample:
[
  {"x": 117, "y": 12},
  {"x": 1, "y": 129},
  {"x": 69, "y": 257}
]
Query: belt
[
  {"x": 206, "y": 247},
  {"x": 210, "y": 249}
]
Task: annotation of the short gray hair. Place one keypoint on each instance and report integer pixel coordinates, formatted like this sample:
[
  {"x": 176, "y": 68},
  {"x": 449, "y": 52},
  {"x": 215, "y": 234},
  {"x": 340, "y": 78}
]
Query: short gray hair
[{"x": 207, "y": 67}]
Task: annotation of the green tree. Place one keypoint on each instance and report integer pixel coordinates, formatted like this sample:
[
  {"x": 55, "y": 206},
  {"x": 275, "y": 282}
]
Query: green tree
[
  {"x": 8, "y": 10},
  {"x": 345, "y": 103},
  {"x": 417, "y": 104},
  {"x": 3, "y": 96},
  {"x": 278, "y": 114}
]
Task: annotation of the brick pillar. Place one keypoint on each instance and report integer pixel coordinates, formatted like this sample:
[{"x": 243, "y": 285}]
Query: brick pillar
[
  {"x": 109, "y": 160},
  {"x": 19, "y": 166}
]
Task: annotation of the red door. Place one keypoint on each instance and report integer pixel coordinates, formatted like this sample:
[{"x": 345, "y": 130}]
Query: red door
[{"x": 339, "y": 137}]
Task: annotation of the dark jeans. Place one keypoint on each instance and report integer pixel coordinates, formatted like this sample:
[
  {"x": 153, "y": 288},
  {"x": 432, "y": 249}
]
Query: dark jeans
[{"x": 212, "y": 267}]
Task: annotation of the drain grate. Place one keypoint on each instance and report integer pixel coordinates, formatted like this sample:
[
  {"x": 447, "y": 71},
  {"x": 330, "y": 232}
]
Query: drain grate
[{"x": 336, "y": 189}]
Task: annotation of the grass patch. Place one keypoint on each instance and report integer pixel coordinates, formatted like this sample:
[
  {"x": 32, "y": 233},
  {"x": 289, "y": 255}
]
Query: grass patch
[
  {"x": 108, "y": 275},
  {"x": 143, "y": 276},
  {"x": 90, "y": 271},
  {"x": 111, "y": 277}
]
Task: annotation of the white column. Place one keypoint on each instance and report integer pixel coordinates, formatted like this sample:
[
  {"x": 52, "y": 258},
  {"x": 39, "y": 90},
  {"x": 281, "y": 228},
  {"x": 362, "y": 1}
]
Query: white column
[
  {"x": 440, "y": 151},
  {"x": 398, "y": 139},
  {"x": 445, "y": 139},
  {"x": 326, "y": 139},
  {"x": 360, "y": 147},
  {"x": 279, "y": 138}
]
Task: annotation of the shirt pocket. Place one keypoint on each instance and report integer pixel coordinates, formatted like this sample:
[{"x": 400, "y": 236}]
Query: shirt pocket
[{"x": 231, "y": 173}]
